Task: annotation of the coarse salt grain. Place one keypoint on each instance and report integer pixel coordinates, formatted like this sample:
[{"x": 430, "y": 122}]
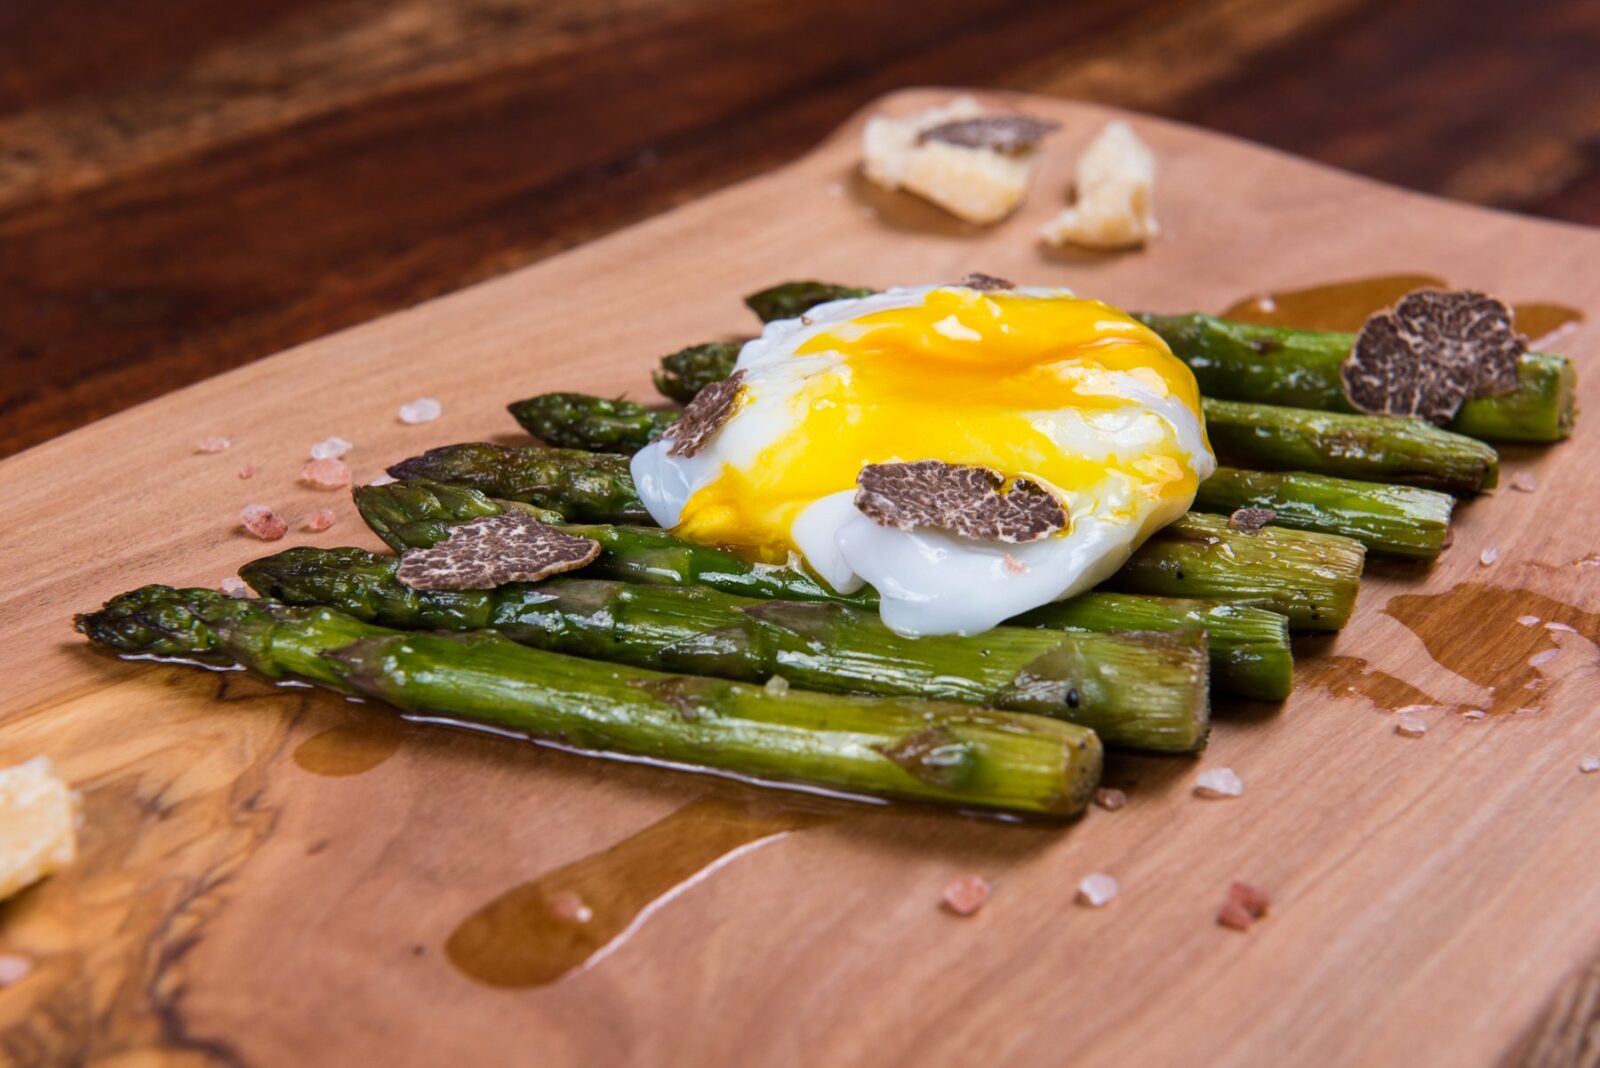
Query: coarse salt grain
[
  {"x": 1218, "y": 782},
  {"x": 966, "y": 895},
  {"x": 247, "y": 471},
  {"x": 1110, "y": 798},
  {"x": 14, "y": 969},
  {"x": 421, "y": 410},
  {"x": 234, "y": 587},
  {"x": 263, "y": 522},
  {"x": 1410, "y": 727},
  {"x": 1541, "y": 659},
  {"x": 212, "y": 445},
  {"x": 1489, "y": 556},
  {"x": 569, "y": 907},
  {"x": 1097, "y": 889},
  {"x": 1012, "y": 565},
  {"x": 325, "y": 474},
  {"x": 320, "y": 520},
  {"x": 1525, "y": 482},
  {"x": 330, "y": 448},
  {"x": 1562, "y": 627},
  {"x": 1528, "y": 621},
  {"x": 1589, "y": 765},
  {"x": 777, "y": 685},
  {"x": 383, "y": 479},
  {"x": 1474, "y": 713}
]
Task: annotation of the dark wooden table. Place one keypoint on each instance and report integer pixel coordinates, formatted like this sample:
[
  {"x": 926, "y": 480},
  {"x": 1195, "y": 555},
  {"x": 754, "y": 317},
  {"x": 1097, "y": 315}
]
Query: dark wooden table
[{"x": 186, "y": 186}]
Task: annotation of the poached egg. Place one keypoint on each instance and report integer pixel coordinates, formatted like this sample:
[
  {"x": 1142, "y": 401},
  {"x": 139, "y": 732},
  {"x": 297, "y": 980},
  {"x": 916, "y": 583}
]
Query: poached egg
[{"x": 1072, "y": 394}]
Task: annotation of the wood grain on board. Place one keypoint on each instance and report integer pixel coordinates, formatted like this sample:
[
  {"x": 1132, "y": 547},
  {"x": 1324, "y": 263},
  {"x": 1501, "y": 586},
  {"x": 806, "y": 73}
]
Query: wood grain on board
[
  {"x": 187, "y": 186},
  {"x": 239, "y": 904}
]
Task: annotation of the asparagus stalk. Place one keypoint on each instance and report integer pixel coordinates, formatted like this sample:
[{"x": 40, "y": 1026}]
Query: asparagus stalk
[
  {"x": 1394, "y": 520},
  {"x": 1374, "y": 448},
  {"x": 1249, "y": 646},
  {"x": 793, "y": 299},
  {"x": 419, "y": 512},
  {"x": 1135, "y": 690},
  {"x": 1398, "y": 520},
  {"x": 580, "y": 485},
  {"x": 1300, "y": 368},
  {"x": 890, "y": 747},
  {"x": 687, "y": 371}
]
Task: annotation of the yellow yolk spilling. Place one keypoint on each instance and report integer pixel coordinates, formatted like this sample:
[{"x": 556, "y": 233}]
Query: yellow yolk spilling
[{"x": 968, "y": 378}]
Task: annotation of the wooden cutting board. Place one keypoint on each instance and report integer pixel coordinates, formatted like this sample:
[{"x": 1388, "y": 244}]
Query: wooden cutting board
[{"x": 274, "y": 876}]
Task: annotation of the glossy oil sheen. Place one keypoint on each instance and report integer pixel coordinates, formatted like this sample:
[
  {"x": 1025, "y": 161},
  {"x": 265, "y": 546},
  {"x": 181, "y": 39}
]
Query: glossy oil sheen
[
  {"x": 1345, "y": 306},
  {"x": 525, "y": 937}
]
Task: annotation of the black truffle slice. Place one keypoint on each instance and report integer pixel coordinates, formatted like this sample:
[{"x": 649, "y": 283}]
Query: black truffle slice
[
  {"x": 985, "y": 283},
  {"x": 961, "y": 499},
  {"x": 1430, "y": 353},
  {"x": 492, "y": 551},
  {"x": 1011, "y": 135},
  {"x": 704, "y": 416},
  {"x": 1251, "y": 520}
]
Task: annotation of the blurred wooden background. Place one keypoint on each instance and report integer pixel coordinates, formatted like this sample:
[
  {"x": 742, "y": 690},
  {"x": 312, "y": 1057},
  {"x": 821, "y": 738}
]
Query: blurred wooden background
[{"x": 188, "y": 185}]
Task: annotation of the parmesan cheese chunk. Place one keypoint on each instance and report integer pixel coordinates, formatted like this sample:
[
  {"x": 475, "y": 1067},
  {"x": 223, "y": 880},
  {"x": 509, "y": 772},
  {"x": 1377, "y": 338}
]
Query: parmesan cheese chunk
[
  {"x": 38, "y": 824},
  {"x": 980, "y": 185},
  {"x": 1115, "y": 181}
]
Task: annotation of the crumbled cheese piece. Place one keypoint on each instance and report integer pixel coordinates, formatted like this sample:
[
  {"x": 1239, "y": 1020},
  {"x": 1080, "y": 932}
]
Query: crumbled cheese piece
[
  {"x": 38, "y": 824},
  {"x": 966, "y": 895},
  {"x": 1218, "y": 782},
  {"x": 1115, "y": 181},
  {"x": 979, "y": 185},
  {"x": 1589, "y": 765},
  {"x": 1410, "y": 727},
  {"x": 1097, "y": 889},
  {"x": 421, "y": 410}
]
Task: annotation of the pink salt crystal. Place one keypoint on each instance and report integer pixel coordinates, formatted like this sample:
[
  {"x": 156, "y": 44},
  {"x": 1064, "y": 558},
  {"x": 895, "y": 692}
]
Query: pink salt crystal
[
  {"x": 1218, "y": 783},
  {"x": 330, "y": 448},
  {"x": 1541, "y": 659},
  {"x": 247, "y": 471},
  {"x": 421, "y": 410},
  {"x": 383, "y": 479},
  {"x": 1489, "y": 556},
  {"x": 1410, "y": 727},
  {"x": 1252, "y": 898},
  {"x": 320, "y": 520},
  {"x": 212, "y": 444},
  {"x": 1475, "y": 713},
  {"x": 966, "y": 895},
  {"x": 1589, "y": 765},
  {"x": 1234, "y": 915},
  {"x": 1562, "y": 627},
  {"x": 326, "y": 474},
  {"x": 1110, "y": 799},
  {"x": 570, "y": 908},
  {"x": 1524, "y": 481},
  {"x": 1013, "y": 566},
  {"x": 261, "y": 521},
  {"x": 1528, "y": 621},
  {"x": 1097, "y": 889},
  {"x": 234, "y": 587},
  {"x": 14, "y": 969}
]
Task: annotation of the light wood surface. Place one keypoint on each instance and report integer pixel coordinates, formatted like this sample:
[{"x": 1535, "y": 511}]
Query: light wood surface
[{"x": 232, "y": 906}]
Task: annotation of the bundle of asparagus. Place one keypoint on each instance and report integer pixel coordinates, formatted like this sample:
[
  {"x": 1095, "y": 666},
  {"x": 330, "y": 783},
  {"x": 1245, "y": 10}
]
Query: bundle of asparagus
[{"x": 654, "y": 648}]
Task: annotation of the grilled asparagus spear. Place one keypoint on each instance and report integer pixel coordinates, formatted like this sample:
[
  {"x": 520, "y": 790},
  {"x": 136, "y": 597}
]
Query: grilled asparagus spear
[
  {"x": 882, "y": 746},
  {"x": 1135, "y": 690},
  {"x": 1250, "y": 654}
]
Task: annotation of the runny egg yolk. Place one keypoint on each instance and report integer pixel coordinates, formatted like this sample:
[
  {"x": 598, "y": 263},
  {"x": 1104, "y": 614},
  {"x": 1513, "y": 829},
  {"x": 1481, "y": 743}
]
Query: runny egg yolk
[{"x": 968, "y": 378}]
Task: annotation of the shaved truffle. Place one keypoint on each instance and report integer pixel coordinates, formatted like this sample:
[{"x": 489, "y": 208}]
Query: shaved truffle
[
  {"x": 1250, "y": 520},
  {"x": 711, "y": 408},
  {"x": 986, "y": 283},
  {"x": 1010, "y": 135},
  {"x": 962, "y": 499},
  {"x": 492, "y": 551},
  {"x": 1430, "y": 353}
]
